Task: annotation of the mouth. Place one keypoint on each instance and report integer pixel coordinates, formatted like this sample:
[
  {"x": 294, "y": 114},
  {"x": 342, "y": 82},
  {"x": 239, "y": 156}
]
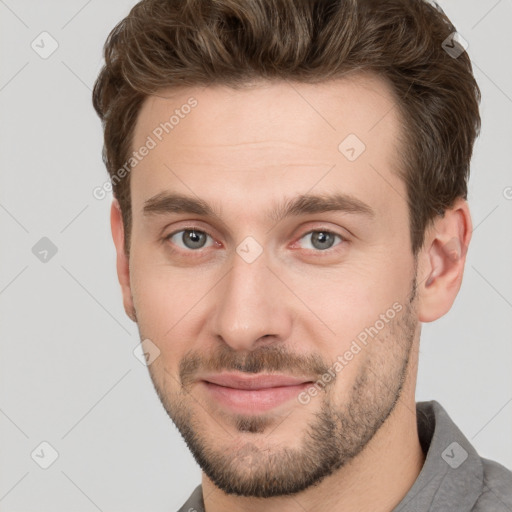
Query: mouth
[{"x": 254, "y": 394}]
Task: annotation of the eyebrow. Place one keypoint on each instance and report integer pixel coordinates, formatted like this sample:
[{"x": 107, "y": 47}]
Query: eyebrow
[{"x": 165, "y": 203}]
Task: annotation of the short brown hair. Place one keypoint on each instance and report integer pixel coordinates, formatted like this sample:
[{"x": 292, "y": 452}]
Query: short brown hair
[{"x": 163, "y": 44}]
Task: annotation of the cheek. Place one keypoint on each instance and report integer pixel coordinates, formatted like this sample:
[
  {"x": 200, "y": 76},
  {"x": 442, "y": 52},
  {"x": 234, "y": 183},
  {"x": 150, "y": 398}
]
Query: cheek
[
  {"x": 164, "y": 301},
  {"x": 346, "y": 300}
]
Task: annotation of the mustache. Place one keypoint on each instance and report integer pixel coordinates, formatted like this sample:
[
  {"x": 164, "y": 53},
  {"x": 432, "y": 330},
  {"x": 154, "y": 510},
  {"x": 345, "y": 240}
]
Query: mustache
[{"x": 265, "y": 359}]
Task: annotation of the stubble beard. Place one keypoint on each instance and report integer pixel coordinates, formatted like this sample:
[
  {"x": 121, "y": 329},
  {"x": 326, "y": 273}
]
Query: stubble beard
[{"x": 337, "y": 433}]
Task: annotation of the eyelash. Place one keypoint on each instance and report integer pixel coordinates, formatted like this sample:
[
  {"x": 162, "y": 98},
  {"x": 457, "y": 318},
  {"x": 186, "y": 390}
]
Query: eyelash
[{"x": 343, "y": 240}]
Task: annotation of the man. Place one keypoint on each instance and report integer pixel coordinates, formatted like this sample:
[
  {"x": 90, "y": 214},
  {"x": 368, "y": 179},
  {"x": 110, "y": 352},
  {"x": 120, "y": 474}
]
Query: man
[{"x": 290, "y": 185}]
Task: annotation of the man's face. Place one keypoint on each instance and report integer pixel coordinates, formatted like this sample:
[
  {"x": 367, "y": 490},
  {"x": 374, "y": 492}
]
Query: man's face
[{"x": 243, "y": 293}]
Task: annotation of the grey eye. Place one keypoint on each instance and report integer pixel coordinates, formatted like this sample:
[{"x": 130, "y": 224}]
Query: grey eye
[
  {"x": 321, "y": 240},
  {"x": 189, "y": 239}
]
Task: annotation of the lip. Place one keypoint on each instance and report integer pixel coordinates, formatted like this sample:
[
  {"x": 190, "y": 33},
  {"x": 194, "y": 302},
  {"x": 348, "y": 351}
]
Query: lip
[
  {"x": 243, "y": 381},
  {"x": 253, "y": 393}
]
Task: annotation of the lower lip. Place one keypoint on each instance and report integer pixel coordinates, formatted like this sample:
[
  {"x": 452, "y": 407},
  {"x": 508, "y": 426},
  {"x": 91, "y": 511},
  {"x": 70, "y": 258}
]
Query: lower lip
[{"x": 254, "y": 400}]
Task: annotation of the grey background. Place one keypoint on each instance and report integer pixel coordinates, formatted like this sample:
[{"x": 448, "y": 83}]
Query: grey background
[{"x": 68, "y": 375}]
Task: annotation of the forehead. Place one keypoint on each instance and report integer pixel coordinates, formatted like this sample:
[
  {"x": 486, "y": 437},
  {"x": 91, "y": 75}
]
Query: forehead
[{"x": 270, "y": 140}]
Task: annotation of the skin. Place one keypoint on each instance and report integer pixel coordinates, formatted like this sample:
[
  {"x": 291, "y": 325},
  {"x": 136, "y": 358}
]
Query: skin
[{"x": 296, "y": 307}]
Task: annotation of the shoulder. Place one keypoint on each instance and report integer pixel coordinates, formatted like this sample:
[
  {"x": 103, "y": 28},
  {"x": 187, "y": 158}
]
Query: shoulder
[{"x": 496, "y": 493}]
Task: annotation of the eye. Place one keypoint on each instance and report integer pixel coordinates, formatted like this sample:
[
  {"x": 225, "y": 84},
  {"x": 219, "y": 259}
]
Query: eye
[
  {"x": 190, "y": 238},
  {"x": 321, "y": 240}
]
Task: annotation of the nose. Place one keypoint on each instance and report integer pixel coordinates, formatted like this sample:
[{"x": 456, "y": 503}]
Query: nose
[{"x": 251, "y": 306}]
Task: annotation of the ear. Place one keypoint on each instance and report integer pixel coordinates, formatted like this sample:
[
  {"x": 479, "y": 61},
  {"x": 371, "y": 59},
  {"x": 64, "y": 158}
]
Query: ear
[
  {"x": 441, "y": 261},
  {"x": 122, "y": 261}
]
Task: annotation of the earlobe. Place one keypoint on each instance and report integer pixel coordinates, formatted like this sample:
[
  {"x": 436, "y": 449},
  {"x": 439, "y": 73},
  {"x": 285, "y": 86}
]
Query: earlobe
[
  {"x": 122, "y": 260},
  {"x": 442, "y": 261}
]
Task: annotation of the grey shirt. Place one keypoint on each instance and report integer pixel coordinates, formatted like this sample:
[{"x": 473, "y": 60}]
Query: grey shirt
[{"x": 454, "y": 477}]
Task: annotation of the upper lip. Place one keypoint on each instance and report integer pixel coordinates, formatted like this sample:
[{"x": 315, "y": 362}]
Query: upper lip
[{"x": 261, "y": 381}]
